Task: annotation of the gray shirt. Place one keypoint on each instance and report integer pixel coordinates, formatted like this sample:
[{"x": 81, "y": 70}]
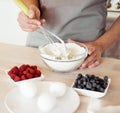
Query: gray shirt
[{"x": 80, "y": 20}]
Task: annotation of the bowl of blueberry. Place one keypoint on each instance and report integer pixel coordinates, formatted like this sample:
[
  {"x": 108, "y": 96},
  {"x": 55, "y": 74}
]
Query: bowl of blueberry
[{"x": 91, "y": 85}]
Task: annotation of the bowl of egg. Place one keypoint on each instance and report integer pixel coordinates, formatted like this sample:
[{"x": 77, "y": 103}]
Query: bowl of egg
[{"x": 63, "y": 57}]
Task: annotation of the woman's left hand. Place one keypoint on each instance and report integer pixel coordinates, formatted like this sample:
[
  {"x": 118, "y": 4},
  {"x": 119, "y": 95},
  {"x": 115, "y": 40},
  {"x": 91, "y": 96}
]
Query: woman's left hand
[{"x": 94, "y": 54}]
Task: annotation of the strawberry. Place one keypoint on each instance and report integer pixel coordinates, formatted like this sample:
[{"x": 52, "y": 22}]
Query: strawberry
[
  {"x": 14, "y": 68},
  {"x": 37, "y": 76},
  {"x": 38, "y": 72},
  {"x": 10, "y": 72},
  {"x": 22, "y": 67},
  {"x": 12, "y": 76},
  {"x": 20, "y": 73},
  {"x": 17, "y": 78},
  {"x": 23, "y": 77},
  {"x": 34, "y": 67},
  {"x": 28, "y": 75},
  {"x": 32, "y": 71},
  {"x": 28, "y": 69},
  {"x": 15, "y": 71},
  {"x": 27, "y": 65},
  {"x": 25, "y": 72}
]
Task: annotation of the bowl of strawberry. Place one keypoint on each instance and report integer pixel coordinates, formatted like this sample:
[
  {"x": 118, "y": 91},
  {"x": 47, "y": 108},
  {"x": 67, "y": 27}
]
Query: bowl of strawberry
[{"x": 24, "y": 72}]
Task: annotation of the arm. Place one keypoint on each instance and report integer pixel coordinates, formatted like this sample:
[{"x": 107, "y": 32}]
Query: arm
[
  {"x": 96, "y": 48},
  {"x": 110, "y": 36}
]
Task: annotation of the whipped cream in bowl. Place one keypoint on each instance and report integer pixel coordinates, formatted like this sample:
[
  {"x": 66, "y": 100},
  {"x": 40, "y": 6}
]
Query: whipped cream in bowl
[{"x": 63, "y": 58}]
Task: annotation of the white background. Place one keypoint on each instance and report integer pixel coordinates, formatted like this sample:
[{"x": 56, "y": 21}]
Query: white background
[{"x": 10, "y": 32}]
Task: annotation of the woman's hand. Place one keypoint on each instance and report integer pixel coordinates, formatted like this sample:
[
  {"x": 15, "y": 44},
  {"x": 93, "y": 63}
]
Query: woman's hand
[
  {"x": 32, "y": 21},
  {"x": 94, "y": 54}
]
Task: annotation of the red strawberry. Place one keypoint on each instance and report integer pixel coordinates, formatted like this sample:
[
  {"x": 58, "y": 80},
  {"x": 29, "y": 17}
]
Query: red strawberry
[
  {"x": 23, "y": 77},
  {"x": 28, "y": 69},
  {"x": 12, "y": 76},
  {"x": 15, "y": 71},
  {"x": 38, "y": 72},
  {"x": 34, "y": 67},
  {"x": 22, "y": 67},
  {"x": 25, "y": 72},
  {"x": 37, "y": 75},
  {"x": 28, "y": 75},
  {"x": 10, "y": 72},
  {"x": 27, "y": 65},
  {"x": 32, "y": 71},
  {"x": 15, "y": 67},
  {"x": 20, "y": 73},
  {"x": 17, "y": 78}
]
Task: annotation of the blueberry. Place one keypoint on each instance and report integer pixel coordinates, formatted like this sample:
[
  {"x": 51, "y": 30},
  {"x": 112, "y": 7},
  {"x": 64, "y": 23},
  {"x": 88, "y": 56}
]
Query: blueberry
[
  {"x": 101, "y": 89},
  {"x": 79, "y": 82},
  {"x": 92, "y": 76},
  {"x": 106, "y": 78},
  {"x": 84, "y": 83},
  {"x": 101, "y": 81},
  {"x": 88, "y": 85},
  {"x": 76, "y": 82},
  {"x": 87, "y": 75},
  {"x": 79, "y": 86},
  {"x": 91, "y": 82},
  {"x": 94, "y": 84},
  {"x": 98, "y": 86},
  {"x": 105, "y": 85},
  {"x": 80, "y": 76},
  {"x": 97, "y": 81}
]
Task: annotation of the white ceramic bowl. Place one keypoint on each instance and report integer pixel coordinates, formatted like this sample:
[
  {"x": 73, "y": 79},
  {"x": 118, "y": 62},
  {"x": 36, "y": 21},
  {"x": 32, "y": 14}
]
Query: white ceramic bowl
[
  {"x": 93, "y": 94},
  {"x": 90, "y": 93},
  {"x": 65, "y": 65}
]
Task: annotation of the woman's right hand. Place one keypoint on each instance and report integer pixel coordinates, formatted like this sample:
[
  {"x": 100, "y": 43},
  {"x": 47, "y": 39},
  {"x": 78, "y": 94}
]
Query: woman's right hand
[{"x": 32, "y": 21}]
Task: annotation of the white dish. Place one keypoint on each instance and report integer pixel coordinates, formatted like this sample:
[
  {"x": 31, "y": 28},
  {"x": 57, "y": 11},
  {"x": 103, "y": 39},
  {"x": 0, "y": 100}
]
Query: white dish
[
  {"x": 90, "y": 93},
  {"x": 16, "y": 103},
  {"x": 27, "y": 80}
]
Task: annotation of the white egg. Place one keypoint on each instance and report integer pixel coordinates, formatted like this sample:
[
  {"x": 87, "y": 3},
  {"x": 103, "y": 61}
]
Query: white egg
[
  {"x": 28, "y": 90},
  {"x": 46, "y": 102},
  {"x": 58, "y": 89}
]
